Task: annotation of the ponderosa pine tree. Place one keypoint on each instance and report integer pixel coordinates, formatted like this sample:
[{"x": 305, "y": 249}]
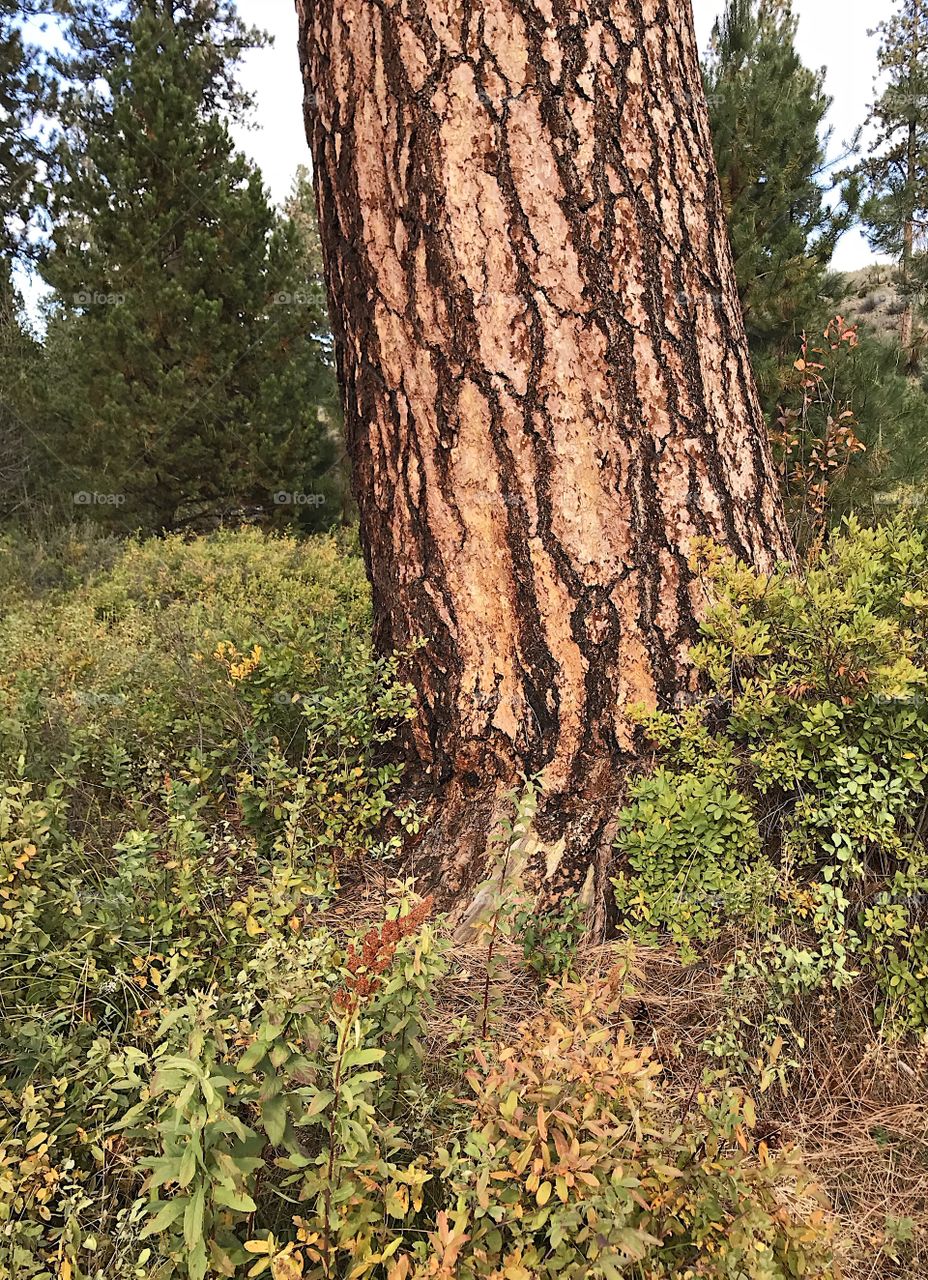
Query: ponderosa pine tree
[
  {"x": 22, "y": 93},
  {"x": 21, "y": 451},
  {"x": 767, "y": 112},
  {"x": 547, "y": 390},
  {"x": 300, "y": 214},
  {"x": 186, "y": 344},
  {"x": 896, "y": 172}
]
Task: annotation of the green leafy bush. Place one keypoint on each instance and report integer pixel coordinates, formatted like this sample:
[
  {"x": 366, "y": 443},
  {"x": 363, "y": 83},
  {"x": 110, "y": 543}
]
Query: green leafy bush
[
  {"x": 693, "y": 851},
  {"x": 793, "y": 790},
  {"x": 551, "y": 938},
  {"x": 562, "y": 1158}
]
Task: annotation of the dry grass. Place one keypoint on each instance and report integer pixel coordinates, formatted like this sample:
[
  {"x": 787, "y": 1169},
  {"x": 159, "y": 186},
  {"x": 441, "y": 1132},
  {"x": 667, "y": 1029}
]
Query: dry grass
[
  {"x": 872, "y": 298},
  {"x": 854, "y": 1105}
]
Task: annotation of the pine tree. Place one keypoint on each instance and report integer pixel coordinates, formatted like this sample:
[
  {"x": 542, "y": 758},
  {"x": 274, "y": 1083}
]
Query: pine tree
[
  {"x": 896, "y": 173},
  {"x": 189, "y": 358},
  {"x": 300, "y": 211},
  {"x": 22, "y": 457},
  {"x": 23, "y": 90},
  {"x": 766, "y": 112}
]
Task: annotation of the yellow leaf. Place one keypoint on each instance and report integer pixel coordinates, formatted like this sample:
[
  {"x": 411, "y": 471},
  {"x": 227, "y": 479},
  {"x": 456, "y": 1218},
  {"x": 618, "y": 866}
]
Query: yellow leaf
[
  {"x": 287, "y": 1266},
  {"x": 543, "y": 1194},
  {"x": 64, "y": 1270},
  {"x": 508, "y": 1105},
  {"x": 397, "y": 1202},
  {"x": 252, "y": 928}
]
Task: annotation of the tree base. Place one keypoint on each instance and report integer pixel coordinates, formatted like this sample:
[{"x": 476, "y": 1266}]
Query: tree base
[{"x": 492, "y": 843}]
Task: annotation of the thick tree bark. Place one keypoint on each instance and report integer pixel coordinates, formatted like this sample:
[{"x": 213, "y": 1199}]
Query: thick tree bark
[{"x": 546, "y": 382}]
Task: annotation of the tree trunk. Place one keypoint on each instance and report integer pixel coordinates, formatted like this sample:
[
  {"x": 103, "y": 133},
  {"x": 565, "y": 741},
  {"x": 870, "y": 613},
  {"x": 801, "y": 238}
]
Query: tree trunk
[
  {"x": 546, "y": 383},
  {"x": 907, "y": 322}
]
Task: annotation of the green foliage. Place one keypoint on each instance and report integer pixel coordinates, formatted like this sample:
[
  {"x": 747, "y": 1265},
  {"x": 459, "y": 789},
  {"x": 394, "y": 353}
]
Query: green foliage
[
  {"x": 20, "y": 361},
  {"x": 23, "y": 91},
  {"x": 693, "y": 854},
  {"x": 766, "y": 113},
  {"x": 207, "y": 1073},
  {"x": 794, "y": 791},
  {"x": 323, "y": 1081},
  {"x": 551, "y": 938},
  {"x": 559, "y": 1160},
  {"x": 188, "y": 366},
  {"x": 896, "y": 170},
  {"x": 848, "y": 389}
]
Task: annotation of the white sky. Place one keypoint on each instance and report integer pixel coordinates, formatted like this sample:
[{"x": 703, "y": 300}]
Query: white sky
[{"x": 832, "y": 33}]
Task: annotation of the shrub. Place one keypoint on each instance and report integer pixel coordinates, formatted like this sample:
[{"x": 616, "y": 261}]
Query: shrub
[
  {"x": 551, "y": 938},
  {"x": 847, "y": 424},
  {"x": 561, "y": 1159},
  {"x": 193, "y": 746},
  {"x": 814, "y": 752},
  {"x": 693, "y": 851},
  {"x": 572, "y": 1166}
]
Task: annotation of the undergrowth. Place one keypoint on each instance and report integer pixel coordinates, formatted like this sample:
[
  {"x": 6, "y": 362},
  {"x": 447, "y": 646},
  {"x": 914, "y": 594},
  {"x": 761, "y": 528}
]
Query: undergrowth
[
  {"x": 787, "y": 809},
  {"x": 216, "y": 1065}
]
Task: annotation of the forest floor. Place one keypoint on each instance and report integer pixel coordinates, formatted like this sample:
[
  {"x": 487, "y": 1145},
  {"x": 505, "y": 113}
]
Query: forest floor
[
  {"x": 850, "y": 1103},
  {"x": 191, "y": 795}
]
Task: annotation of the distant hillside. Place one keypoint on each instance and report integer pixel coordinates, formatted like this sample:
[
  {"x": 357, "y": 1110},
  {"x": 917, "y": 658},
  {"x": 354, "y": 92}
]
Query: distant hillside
[{"x": 872, "y": 297}]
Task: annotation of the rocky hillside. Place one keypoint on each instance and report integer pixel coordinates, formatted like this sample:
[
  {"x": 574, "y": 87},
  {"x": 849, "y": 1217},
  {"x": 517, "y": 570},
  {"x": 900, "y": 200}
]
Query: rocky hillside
[{"x": 871, "y": 295}]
